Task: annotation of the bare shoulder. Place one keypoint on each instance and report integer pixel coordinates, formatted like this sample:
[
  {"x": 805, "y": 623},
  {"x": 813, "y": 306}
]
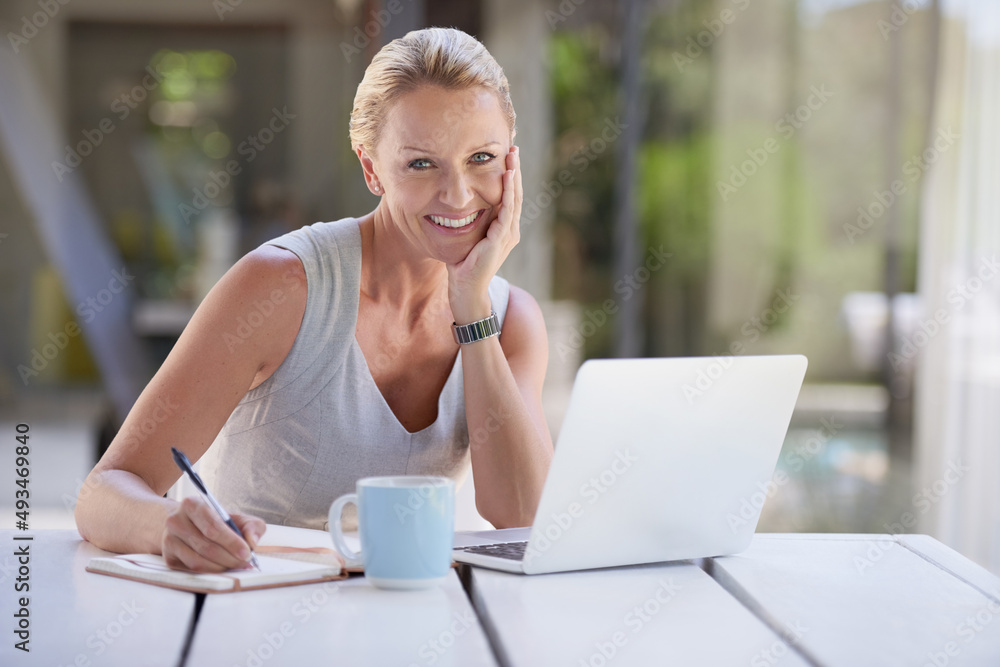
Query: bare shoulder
[
  {"x": 524, "y": 315},
  {"x": 524, "y": 339},
  {"x": 265, "y": 282},
  {"x": 240, "y": 333},
  {"x": 271, "y": 267},
  {"x": 263, "y": 297}
]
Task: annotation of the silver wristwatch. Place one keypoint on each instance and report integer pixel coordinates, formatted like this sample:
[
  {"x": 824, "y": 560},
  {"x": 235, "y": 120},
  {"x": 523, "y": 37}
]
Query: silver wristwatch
[{"x": 470, "y": 333}]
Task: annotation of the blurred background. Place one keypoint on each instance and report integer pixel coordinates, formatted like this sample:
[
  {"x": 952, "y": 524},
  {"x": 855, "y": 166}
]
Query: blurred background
[{"x": 713, "y": 178}]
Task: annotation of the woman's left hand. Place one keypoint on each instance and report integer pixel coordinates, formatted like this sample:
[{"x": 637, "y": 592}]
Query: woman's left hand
[{"x": 469, "y": 280}]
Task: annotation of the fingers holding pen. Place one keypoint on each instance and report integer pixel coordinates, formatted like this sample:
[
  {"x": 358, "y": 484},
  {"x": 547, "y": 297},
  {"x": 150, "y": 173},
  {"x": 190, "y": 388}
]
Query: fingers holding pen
[
  {"x": 196, "y": 538},
  {"x": 179, "y": 556},
  {"x": 252, "y": 527}
]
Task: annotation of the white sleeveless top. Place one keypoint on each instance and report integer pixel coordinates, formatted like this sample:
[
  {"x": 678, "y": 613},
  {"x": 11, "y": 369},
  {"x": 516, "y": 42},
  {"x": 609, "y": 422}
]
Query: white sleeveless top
[{"x": 305, "y": 435}]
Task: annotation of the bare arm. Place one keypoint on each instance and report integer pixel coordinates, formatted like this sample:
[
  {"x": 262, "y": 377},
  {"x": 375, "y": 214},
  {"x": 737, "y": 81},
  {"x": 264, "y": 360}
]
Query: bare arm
[
  {"x": 503, "y": 376},
  {"x": 510, "y": 441},
  {"x": 186, "y": 404}
]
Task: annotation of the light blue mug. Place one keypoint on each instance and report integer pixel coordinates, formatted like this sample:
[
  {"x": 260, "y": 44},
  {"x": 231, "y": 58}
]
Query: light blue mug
[{"x": 407, "y": 529}]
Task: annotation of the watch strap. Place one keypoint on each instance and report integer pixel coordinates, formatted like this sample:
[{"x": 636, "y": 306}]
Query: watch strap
[{"x": 476, "y": 331}]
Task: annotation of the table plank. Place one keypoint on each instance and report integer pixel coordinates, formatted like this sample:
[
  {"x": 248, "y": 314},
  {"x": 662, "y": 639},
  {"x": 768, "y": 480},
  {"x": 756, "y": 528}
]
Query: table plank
[
  {"x": 948, "y": 559},
  {"x": 346, "y": 622},
  {"x": 351, "y": 621},
  {"x": 659, "y": 614},
  {"x": 869, "y": 601},
  {"x": 82, "y": 618}
]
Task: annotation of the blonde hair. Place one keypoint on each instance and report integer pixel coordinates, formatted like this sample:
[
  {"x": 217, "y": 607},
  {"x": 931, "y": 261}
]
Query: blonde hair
[{"x": 443, "y": 57}]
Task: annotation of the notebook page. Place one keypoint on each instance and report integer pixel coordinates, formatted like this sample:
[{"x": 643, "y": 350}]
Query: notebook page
[{"x": 273, "y": 571}]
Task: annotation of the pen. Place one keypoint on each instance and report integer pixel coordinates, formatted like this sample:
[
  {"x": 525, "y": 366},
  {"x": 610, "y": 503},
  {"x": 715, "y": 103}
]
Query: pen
[{"x": 185, "y": 465}]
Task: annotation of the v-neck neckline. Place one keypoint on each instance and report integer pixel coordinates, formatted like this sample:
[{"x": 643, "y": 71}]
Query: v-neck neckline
[
  {"x": 368, "y": 373},
  {"x": 395, "y": 418}
]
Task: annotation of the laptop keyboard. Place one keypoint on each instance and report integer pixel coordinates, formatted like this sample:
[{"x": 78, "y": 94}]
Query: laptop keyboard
[{"x": 508, "y": 550}]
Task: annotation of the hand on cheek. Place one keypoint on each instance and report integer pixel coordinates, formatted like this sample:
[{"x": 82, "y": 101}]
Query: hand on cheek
[{"x": 470, "y": 278}]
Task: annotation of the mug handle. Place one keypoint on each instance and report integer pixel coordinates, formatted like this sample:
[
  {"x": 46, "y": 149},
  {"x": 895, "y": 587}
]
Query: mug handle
[{"x": 336, "y": 532}]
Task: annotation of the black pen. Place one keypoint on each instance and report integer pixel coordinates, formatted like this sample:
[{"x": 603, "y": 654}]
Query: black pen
[{"x": 185, "y": 465}]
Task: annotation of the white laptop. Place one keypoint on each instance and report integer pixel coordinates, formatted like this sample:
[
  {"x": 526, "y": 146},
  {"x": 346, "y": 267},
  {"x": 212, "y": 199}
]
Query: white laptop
[{"x": 657, "y": 460}]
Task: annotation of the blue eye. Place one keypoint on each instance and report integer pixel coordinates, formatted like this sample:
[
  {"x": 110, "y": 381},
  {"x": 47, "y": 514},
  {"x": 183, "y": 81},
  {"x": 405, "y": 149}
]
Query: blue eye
[{"x": 421, "y": 164}]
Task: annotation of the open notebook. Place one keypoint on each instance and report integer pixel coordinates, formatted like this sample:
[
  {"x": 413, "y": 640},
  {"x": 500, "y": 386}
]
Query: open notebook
[{"x": 284, "y": 566}]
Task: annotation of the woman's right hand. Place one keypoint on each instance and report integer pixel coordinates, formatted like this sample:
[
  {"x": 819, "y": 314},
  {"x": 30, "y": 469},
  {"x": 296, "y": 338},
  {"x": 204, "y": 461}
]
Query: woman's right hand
[{"x": 196, "y": 538}]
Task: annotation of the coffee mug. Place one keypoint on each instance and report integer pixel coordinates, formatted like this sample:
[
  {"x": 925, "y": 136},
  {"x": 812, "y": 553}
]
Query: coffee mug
[{"x": 407, "y": 529}]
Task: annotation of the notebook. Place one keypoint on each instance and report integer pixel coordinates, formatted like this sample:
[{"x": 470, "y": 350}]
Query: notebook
[{"x": 284, "y": 566}]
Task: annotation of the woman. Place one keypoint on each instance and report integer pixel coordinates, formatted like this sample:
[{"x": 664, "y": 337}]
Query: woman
[{"x": 330, "y": 354}]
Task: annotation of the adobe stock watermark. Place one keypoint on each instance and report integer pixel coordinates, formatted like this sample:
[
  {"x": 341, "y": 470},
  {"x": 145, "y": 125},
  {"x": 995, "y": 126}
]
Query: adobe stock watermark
[
  {"x": 551, "y": 190},
  {"x": 957, "y": 298},
  {"x": 696, "y": 44},
  {"x": 899, "y": 14},
  {"x": 433, "y": 649},
  {"x": 751, "y": 329},
  {"x": 270, "y": 643},
  {"x": 495, "y": 419},
  {"x": 8, "y": 568},
  {"x": 750, "y": 507},
  {"x": 37, "y": 21},
  {"x": 362, "y": 38},
  {"x": 565, "y": 9},
  {"x": 122, "y": 107},
  {"x": 922, "y": 502},
  {"x": 399, "y": 345},
  {"x": 84, "y": 487},
  {"x": 559, "y": 523},
  {"x": 249, "y": 148},
  {"x": 311, "y": 603},
  {"x": 779, "y": 648},
  {"x": 968, "y": 629},
  {"x": 223, "y": 7},
  {"x": 582, "y": 158},
  {"x": 88, "y": 309},
  {"x": 786, "y": 126},
  {"x": 261, "y": 311},
  {"x": 760, "y": 324},
  {"x": 105, "y": 637},
  {"x": 303, "y": 609},
  {"x": 417, "y": 497},
  {"x": 637, "y": 618},
  {"x": 913, "y": 169},
  {"x": 626, "y": 286},
  {"x": 134, "y": 434}
]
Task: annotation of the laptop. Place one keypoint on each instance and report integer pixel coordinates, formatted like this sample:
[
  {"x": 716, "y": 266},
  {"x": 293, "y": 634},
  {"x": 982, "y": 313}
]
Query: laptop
[{"x": 657, "y": 460}]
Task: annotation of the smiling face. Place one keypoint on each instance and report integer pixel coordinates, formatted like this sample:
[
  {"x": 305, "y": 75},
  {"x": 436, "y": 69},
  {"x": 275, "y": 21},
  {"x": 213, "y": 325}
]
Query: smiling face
[{"x": 440, "y": 163}]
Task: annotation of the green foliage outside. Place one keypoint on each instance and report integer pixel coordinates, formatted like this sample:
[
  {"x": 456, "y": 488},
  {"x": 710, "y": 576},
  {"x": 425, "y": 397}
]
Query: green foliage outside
[{"x": 672, "y": 188}]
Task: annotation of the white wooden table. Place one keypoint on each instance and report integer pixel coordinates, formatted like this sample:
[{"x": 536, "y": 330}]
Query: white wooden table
[
  {"x": 832, "y": 600},
  {"x": 345, "y": 622},
  {"x": 79, "y": 618},
  {"x": 870, "y": 599}
]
